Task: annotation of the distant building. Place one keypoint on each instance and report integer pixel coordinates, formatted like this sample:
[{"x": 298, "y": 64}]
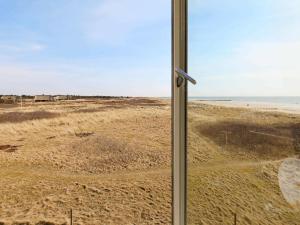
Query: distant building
[
  {"x": 61, "y": 97},
  {"x": 9, "y": 99},
  {"x": 43, "y": 98}
]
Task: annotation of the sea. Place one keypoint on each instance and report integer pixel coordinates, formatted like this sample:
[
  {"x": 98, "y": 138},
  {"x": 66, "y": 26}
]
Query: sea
[
  {"x": 285, "y": 100},
  {"x": 286, "y": 103}
]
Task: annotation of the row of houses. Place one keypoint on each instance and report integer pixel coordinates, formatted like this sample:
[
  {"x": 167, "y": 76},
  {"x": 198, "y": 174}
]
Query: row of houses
[
  {"x": 50, "y": 98},
  {"x": 12, "y": 99},
  {"x": 8, "y": 99}
]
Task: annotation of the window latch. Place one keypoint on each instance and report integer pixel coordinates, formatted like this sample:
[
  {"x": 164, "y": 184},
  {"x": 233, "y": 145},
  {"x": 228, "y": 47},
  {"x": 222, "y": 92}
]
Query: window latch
[{"x": 183, "y": 76}]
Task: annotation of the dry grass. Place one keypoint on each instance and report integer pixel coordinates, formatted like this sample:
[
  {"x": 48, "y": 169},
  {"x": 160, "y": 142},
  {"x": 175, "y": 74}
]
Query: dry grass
[
  {"x": 110, "y": 161},
  {"x": 267, "y": 140},
  {"x": 8, "y": 148},
  {"x": 108, "y": 165},
  {"x": 136, "y": 102},
  {"x": 18, "y": 117},
  {"x": 239, "y": 176},
  {"x": 101, "y": 154}
]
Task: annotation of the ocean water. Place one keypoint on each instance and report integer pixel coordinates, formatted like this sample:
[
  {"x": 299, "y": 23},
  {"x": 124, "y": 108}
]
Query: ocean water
[{"x": 278, "y": 100}]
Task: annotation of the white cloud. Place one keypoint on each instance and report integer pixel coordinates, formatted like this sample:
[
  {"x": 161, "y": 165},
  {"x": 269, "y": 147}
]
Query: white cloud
[
  {"x": 254, "y": 68},
  {"x": 114, "y": 21},
  {"x": 273, "y": 59},
  {"x": 76, "y": 78},
  {"x": 37, "y": 47},
  {"x": 265, "y": 60},
  {"x": 22, "y": 47}
]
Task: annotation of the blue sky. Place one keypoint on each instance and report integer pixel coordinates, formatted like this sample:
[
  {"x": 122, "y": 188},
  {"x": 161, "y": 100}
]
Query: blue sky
[
  {"x": 123, "y": 47},
  {"x": 245, "y": 48}
]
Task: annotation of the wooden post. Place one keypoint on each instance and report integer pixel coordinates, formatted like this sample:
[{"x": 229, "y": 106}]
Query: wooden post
[
  {"x": 71, "y": 217},
  {"x": 235, "y": 221}
]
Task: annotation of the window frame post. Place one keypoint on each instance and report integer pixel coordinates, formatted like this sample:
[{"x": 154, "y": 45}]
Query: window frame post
[{"x": 179, "y": 110}]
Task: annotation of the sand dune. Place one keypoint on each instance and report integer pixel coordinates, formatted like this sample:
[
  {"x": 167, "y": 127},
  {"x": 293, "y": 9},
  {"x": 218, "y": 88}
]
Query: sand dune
[{"x": 110, "y": 162}]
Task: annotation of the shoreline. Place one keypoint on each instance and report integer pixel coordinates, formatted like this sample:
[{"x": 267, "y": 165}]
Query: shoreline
[{"x": 258, "y": 106}]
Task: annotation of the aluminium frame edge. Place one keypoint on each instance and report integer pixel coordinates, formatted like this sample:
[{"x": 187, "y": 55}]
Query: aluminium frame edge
[{"x": 179, "y": 112}]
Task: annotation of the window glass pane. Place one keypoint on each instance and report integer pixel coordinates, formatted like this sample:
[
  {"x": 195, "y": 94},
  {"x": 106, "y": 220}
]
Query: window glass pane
[
  {"x": 85, "y": 114},
  {"x": 243, "y": 137}
]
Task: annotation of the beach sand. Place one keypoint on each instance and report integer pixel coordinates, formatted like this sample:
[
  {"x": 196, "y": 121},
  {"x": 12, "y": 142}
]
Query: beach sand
[
  {"x": 259, "y": 106},
  {"x": 110, "y": 162}
]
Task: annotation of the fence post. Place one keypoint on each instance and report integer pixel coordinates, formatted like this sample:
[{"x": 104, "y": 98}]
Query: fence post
[
  {"x": 234, "y": 218},
  {"x": 71, "y": 217}
]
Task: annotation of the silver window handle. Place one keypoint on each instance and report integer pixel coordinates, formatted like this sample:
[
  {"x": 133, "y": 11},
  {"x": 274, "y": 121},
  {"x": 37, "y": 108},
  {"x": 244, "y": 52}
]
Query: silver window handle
[{"x": 183, "y": 76}]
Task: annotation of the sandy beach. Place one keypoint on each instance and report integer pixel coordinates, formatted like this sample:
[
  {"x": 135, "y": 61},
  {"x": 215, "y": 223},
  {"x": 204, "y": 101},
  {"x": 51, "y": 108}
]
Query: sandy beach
[{"x": 259, "y": 106}]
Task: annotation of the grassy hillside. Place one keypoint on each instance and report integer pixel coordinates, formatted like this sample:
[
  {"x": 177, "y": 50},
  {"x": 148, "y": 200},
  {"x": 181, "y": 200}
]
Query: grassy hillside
[{"x": 109, "y": 161}]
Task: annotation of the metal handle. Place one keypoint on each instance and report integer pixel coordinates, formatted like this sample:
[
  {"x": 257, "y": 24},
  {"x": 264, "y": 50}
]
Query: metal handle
[{"x": 183, "y": 75}]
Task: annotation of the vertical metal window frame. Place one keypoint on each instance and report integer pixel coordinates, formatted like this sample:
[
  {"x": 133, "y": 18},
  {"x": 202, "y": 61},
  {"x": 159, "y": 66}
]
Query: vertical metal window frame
[{"x": 179, "y": 111}]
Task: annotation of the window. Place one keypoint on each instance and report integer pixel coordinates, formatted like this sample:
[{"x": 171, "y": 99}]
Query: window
[
  {"x": 243, "y": 119},
  {"x": 85, "y": 112}
]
